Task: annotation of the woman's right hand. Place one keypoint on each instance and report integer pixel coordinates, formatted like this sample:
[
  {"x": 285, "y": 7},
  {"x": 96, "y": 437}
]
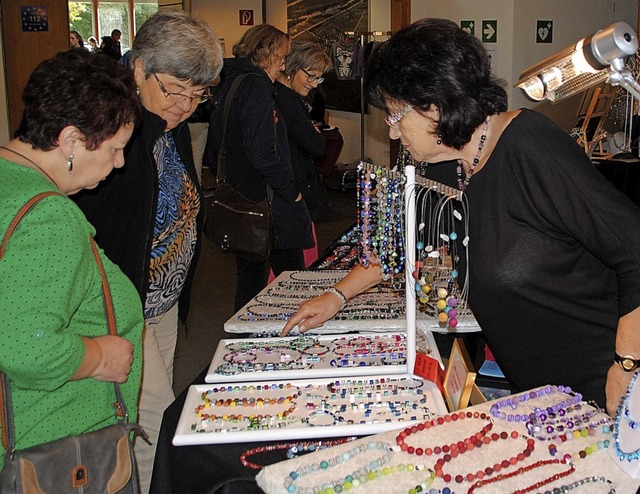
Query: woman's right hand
[
  {"x": 107, "y": 358},
  {"x": 313, "y": 313}
]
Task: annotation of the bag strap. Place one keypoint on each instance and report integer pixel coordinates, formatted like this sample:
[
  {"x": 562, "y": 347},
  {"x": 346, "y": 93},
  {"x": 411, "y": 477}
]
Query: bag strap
[
  {"x": 222, "y": 153},
  {"x": 6, "y": 409},
  {"x": 221, "y": 175}
]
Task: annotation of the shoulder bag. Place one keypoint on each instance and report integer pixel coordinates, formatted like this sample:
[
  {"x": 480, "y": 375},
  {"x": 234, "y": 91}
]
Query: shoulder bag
[
  {"x": 97, "y": 462},
  {"x": 237, "y": 224}
]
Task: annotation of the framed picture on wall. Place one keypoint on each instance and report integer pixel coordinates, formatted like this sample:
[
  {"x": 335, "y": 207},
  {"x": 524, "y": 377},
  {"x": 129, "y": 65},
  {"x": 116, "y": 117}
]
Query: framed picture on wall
[{"x": 335, "y": 28}]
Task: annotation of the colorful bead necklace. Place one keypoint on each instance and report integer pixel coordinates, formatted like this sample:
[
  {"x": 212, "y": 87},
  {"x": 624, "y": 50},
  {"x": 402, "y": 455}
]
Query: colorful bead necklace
[
  {"x": 323, "y": 465},
  {"x": 542, "y": 463},
  {"x": 621, "y": 424},
  {"x": 514, "y": 402},
  {"x": 462, "y": 184},
  {"x": 579, "y": 483},
  {"x": 293, "y": 449}
]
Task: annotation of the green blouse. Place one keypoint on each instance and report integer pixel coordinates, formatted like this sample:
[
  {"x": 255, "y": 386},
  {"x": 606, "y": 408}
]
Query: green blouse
[{"x": 50, "y": 296}]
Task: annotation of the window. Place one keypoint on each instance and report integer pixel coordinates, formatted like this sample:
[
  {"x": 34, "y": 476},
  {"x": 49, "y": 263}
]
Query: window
[{"x": 108, "y": 16}]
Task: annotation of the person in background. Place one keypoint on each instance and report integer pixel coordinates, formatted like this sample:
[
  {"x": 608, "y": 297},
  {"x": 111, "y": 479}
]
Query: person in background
[
  {"x": 149, "y": 216},
  {"x": 110, "y": 45},
  {"x": 75, "y": 40},
  {"x": 306, "y": 64},
  {"x": 55, "y": 350},
  {"x": 554, "y": 248},
  {"x": 258, "y": 153},
  {"x": 93, "y": 43}
]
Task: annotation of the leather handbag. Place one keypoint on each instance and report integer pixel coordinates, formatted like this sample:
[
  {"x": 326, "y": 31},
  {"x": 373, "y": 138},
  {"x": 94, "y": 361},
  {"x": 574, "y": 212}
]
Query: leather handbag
[
  {"x": 238, "y": 225},
  {"x": 97, "y": 462}
]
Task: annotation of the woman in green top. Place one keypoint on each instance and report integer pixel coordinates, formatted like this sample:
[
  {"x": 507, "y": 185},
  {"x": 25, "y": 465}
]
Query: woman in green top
[{"x": 80, "y": 110}]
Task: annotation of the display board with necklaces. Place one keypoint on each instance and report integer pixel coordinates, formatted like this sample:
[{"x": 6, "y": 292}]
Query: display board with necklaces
[{"x": 545, "y": 440}]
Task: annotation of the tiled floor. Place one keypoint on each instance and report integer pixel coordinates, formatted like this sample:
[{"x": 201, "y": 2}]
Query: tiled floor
[{"x": 214, "y": 288}]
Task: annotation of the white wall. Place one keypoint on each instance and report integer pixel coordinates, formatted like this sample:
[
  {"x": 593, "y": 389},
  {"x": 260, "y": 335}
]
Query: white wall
[
  {"x": 224, "y": 17},
  {"x": 591, "y": 15},
  {"x": 514, "y": 51}
]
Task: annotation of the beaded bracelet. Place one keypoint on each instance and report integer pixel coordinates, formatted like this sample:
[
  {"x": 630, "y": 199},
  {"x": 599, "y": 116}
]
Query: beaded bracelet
[
  {"x": 513, "y": 403},
  {"x": 339, "y": 294}
]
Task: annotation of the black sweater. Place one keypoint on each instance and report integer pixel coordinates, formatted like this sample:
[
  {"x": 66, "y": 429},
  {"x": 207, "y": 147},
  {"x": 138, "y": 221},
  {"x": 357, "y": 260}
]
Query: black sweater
[{"x": 554, "y": 255}]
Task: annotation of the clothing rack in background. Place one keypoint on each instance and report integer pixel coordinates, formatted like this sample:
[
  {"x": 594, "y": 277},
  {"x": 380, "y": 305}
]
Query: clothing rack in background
[{"x": 362, "y": 35}]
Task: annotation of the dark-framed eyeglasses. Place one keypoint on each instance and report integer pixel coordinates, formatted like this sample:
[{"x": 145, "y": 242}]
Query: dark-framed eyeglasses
[
  {"x": 313, "y": 77},
  {"x": 180, "y": 97}
]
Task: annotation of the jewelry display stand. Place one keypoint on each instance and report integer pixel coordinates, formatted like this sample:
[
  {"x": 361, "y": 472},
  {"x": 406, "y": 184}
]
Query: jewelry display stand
[
  {"x": 626, "y": 448},
  {"x": 379, "y": 309},
  {"x": 355, "y": 405},
  {"x": 283, "y": 410},
  {"x": 497, "y": 458},
  {"x": 318, "y": 356}
]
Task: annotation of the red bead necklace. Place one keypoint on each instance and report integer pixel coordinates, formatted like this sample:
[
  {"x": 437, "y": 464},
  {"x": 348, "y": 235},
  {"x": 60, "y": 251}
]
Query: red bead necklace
[
  {"x": 525, "y": 469},
  {"x": 480, "y": 474},
  {"x": 458, "y": 446}
]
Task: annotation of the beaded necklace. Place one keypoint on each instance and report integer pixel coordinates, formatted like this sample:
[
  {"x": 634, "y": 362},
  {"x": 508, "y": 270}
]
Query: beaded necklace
[
  {"x": 489, "y": 470},
  {"x": 462, "y": 184},
  {"x": 514, "y": 402},
  {"x": 579, "y": 483},
  {"x": 454, "y": 446},
  {"x": 293, "y": 449},
  {"x": 359, "y": 449},
  {"x": 621, "y": 424},
  {"x": 524, "y": 469}
]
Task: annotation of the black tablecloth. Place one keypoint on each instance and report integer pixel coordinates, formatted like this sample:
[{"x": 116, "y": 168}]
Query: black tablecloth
[
  {"x": 204, "y": 469},
  {"x": 216, "y": 468},
  {"x": 624, "y": 174}
]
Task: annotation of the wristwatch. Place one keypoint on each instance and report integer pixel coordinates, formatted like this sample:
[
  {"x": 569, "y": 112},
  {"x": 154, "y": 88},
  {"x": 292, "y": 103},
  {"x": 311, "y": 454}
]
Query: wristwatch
[{"x": 627, "y": 363}]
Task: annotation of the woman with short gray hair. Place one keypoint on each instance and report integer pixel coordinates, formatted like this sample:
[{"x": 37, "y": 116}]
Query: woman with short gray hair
[{"x": 148, "y": 217}]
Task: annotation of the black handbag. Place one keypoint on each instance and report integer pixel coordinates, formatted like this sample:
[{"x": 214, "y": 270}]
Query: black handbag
[
  {"x": 238, "y": 225},
  {"x": 97, "y": 462}
]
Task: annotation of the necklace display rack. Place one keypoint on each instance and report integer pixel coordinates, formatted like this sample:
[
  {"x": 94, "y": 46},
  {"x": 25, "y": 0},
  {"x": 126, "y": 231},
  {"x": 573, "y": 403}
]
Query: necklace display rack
[
  {"x": 268, "y": 311},
  {"x": 349, "y": 355},
  {"x": 247, "y": 416},
  {"x": 483, "y": 449},
  {"x": 304, "y": 409}
]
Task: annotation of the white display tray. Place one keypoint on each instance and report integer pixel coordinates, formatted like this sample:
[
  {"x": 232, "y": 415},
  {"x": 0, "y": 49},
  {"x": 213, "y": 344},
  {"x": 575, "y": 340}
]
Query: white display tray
[
  {"x": 312, "y": 414},
  {"x": 264, "y": 365},
  {"x": 268, "y": 311}
]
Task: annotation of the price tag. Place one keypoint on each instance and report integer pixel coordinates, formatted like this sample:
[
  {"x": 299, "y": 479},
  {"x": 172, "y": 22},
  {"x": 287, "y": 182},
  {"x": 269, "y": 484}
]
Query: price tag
[{"x": 428, "y": 368}]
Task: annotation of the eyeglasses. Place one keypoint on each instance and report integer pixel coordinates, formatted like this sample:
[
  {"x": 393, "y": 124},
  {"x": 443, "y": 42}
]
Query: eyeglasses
[
  {"x": 396, "y": 117},
  {"x": 313, "y": 78},
  {"x": 181, "y": 98}
]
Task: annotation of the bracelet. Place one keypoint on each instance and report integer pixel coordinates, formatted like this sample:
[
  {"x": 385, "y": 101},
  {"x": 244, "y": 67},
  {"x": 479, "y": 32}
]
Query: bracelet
[{"x": 339, "y": 294}]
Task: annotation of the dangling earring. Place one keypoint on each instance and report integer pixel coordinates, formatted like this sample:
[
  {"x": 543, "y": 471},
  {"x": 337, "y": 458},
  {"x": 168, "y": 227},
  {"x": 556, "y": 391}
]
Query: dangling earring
[
  {"x": 439, "y": 141},
  {"x": 70, "y": 163}
]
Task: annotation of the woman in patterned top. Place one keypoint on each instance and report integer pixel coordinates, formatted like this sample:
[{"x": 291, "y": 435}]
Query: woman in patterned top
[
  {"x": 55, "y": 349},
  {"x": 149, "y": 215}
]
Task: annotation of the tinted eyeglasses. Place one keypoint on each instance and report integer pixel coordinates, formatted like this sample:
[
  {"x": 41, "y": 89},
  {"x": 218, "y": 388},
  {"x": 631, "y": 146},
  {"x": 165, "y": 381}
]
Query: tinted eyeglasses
[
  {"x": 313, "y": 78},
  {"x": 180, "y": 97}
]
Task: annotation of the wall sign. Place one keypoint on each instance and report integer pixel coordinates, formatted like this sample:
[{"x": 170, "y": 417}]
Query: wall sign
[
  {"x": 34, "y": 18},
  {"x": 544, "y": 31},
  {"x": 490, "y": 31},
  {"x": 246, "y": 17},
  {"x": 468, "y": 27}
]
